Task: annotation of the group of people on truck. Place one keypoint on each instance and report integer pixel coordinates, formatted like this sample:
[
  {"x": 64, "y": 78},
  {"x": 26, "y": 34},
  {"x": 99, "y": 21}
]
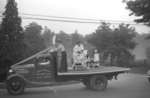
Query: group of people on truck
[{"x": 81, "y": 58}]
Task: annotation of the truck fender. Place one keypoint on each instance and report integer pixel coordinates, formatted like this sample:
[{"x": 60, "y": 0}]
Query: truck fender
[{"x": 15, "y": 75}]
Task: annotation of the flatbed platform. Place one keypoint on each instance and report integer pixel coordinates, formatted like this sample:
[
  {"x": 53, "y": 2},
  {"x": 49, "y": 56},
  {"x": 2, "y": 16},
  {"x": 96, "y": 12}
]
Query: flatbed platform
[{"x": 100, "y": 70}]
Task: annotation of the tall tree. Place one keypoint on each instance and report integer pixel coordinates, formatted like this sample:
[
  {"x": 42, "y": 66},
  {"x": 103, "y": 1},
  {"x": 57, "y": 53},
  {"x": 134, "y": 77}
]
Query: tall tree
[
  {"x": 123, "y": 43},
  {"x": 11, "y": 36},
  {"x": 75, "y": 37},
  {"x": 65, "y": 38},
  {"x": 33, "y": 39},
  {"x": 102, "y": 39},
  {"x": 47, "y": 36},
  {"x": 140, "y": 8},
  {"x": 114, "y": 44}
]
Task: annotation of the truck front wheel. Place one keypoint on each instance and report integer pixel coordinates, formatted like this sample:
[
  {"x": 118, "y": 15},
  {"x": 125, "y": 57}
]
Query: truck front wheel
[
  {"x": 15, "y": 85},
  {"x": 98, "y": 82}
]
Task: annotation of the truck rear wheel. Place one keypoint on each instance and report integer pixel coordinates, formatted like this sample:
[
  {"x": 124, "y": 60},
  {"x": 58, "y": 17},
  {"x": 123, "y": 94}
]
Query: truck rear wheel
[
  {"x": 98, "y": 82},
  {"x": 15, "y": 85}
]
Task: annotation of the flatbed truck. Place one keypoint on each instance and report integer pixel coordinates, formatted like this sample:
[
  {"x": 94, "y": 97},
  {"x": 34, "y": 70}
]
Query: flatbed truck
[{"x": 38, "y": 70}]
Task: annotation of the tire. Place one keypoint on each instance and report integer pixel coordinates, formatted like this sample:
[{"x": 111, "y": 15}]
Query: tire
[
  {"x": 98, "y": 82},
  {"x": 15, "y": 85}
]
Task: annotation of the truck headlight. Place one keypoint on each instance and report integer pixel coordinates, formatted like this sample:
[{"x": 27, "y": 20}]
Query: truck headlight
[{"x": 10, "y": 70}]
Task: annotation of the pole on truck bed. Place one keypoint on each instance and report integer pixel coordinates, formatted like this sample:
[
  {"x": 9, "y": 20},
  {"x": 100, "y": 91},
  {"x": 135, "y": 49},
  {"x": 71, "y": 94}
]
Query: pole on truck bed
[
  {"x": 35, "y": 55},
  {"x": 39, "y": 53}
]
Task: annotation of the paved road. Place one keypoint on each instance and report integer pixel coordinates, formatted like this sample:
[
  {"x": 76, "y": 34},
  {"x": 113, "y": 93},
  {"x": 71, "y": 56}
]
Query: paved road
[{"x": 127, "y": 86}]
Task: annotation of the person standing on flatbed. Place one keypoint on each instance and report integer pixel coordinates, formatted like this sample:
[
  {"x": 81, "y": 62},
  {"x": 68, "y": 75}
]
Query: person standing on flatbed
[
  {"x": 62, "y": 56},
  {"x": 96, "y": 58},
  {"x": 78, "y": 55}
]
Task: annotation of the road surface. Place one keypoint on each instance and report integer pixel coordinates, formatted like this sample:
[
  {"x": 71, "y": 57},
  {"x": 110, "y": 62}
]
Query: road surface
[{"x": 127, "y": 86}]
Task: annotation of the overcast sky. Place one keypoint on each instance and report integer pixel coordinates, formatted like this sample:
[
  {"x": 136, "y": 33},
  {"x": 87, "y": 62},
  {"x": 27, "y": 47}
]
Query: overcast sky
[{"x": 95, "y": 9}]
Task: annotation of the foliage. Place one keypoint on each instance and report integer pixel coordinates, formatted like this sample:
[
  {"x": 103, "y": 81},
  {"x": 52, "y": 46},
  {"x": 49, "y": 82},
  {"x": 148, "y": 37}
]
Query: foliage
[
  {"x": 47, "y": 36},
  {"x": 64, "y": 37},
  {"x": 140, "y": 8},
  {"x": 69, "y": 40},
  {"x": 33, "y": 39},
  {"x": 114, "y": 44},
  {"x": 148, "y": 53},
  {"x": 75, "y": 37},
  {"x": 11, "y": 36}
]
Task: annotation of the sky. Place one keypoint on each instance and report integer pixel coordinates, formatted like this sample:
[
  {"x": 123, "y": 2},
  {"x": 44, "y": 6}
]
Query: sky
[{"x": 94, "y": 9}]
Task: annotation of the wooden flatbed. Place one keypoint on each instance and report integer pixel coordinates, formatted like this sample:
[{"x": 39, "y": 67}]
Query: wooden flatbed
[{"x": 100, "y": 70}]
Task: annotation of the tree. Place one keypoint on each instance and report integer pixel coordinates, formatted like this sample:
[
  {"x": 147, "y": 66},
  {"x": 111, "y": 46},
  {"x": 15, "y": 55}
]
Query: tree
[
  {"x": 123, "y": 43},
  {"x": 140, "y": 8},
  {"x": 114, "y": 44},
  {"x": 101, "y": 39},
  {"x": 64, "y": 37},
  {"x": 47, "y": 36},
  {"x": 33, "y": 39},
  {"x": 11, "y": 36},
  {"x": 75, "y": 37}
]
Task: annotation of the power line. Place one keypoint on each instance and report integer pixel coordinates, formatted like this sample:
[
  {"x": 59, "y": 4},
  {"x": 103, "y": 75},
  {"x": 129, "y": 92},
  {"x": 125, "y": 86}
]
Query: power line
[
  {"x": 73, "y": 20},
  {"x": 61, "y": 20},
  {"x": 60, "y": 17}
]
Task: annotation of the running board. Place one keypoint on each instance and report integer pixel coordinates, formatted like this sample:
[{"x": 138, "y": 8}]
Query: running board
[{"x": 37, "y": 84}]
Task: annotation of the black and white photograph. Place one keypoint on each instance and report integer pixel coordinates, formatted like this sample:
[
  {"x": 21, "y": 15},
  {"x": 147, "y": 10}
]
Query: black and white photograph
[{"x": 74, "y": 48}]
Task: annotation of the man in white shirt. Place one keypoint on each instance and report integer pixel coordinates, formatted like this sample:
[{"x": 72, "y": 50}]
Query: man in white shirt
[
  {"x": 78, "y": 54},
  {"x": 78, "y": 47}
]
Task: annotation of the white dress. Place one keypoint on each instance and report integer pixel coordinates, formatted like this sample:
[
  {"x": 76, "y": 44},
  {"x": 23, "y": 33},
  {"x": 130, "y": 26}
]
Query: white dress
[
  {"x": 96, "y": 57},
  {"x": 78, "y": 53}
]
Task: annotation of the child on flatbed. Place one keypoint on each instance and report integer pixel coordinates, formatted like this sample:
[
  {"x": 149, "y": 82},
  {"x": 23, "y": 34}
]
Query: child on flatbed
[{"x": 96, "y": 58}]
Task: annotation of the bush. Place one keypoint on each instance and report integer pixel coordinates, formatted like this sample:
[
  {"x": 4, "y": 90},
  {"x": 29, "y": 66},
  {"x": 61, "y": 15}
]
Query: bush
[{"x": 141, "y": 63}]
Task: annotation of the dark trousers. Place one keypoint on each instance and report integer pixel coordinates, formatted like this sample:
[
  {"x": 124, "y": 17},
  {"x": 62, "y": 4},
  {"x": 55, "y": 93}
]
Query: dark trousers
[{"x": 63, "y": 66}]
